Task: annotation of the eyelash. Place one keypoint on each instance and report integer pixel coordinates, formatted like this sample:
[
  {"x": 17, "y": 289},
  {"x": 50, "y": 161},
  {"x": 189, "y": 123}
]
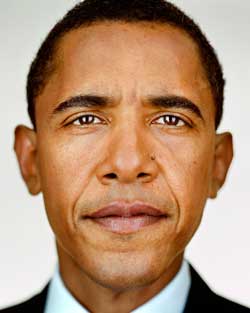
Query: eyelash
[{"x": 170, "y": 117}]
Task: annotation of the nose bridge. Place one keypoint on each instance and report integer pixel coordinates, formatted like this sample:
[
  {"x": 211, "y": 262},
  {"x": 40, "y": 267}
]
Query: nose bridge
[
  {"x": 127, "y": 147},
  {"x": 129, "y": 157}
]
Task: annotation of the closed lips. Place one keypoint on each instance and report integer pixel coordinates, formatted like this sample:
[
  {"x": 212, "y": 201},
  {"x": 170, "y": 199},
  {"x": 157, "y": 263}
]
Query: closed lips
[
  {"x": 120, "y": 217},
  {"x": 127, "y": 210}
]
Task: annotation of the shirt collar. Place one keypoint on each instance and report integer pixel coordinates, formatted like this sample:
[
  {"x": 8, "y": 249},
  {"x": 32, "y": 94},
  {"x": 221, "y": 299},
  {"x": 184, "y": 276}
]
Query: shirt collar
[
  {"x": 171, "y": 299},
  {"x": 59, "y": 299}
]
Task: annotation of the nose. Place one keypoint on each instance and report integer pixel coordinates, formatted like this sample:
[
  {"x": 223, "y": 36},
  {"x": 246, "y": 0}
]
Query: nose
[{"x": 128, "y": 158}]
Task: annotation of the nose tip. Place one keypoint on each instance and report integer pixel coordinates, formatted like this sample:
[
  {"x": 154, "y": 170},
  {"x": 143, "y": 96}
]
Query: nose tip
[
  {"x": 132, "y": 167},
  {"x": 129, "y": 177},
  {"x": 128, "y": 156}
]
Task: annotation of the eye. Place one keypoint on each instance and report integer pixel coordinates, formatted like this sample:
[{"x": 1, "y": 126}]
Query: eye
[
  {"x": 87, "y": 119},
  {"x": 170, "y": 120}
]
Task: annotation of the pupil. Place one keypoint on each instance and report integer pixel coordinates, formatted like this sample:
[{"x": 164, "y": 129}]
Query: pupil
[
  {"x": 172, "y": 120},
  {"x": 87, "y": 119}
]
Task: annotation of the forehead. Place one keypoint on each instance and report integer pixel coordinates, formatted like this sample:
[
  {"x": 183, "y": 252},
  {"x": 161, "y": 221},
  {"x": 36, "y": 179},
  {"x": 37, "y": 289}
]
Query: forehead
[
  {"x": 123, "y": 45},
  {"x": 116, "y": 57}
]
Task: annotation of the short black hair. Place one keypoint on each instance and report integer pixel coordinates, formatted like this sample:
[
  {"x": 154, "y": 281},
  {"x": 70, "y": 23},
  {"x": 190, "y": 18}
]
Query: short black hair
[{"x": 89, "y": 12}]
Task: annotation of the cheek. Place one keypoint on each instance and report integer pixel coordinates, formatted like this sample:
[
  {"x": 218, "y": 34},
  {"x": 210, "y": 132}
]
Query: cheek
[
  {"x": 66, "y": 168},
  {"x": 187, "y": 169}
]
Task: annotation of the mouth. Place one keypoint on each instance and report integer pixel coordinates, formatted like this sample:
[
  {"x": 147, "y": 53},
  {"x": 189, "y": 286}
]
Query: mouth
[{"x": 123, "y": 218}]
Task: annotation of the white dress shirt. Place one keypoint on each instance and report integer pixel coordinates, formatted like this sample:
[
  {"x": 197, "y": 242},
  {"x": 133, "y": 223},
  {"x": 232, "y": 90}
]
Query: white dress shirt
[{"x": 171, "y": 299}]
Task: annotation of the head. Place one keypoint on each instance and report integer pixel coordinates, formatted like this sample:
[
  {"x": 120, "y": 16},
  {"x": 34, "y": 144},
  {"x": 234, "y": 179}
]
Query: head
[{"x": 125, "y": 99}]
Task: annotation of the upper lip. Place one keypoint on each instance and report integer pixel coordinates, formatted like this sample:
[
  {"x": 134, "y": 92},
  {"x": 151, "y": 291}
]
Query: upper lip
[{"x": 123, "y": 209}]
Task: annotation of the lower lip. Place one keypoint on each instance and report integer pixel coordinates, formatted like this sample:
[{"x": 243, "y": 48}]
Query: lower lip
[{"x": 126, "y": 225}]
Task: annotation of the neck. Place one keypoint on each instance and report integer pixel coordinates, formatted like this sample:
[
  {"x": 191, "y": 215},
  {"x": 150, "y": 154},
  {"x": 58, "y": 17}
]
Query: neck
[{"x": 97, "y": 298}]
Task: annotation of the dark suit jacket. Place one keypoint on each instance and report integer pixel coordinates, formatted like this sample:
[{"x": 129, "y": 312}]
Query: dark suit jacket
[{"x": 201, "y": 299}]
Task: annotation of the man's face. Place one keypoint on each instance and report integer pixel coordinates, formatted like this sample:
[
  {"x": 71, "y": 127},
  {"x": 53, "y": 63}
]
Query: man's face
[{"x": 137, "y": 91}]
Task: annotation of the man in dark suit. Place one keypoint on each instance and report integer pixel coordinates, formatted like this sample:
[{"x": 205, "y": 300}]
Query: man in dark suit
[{"x": 125, "y": 98}]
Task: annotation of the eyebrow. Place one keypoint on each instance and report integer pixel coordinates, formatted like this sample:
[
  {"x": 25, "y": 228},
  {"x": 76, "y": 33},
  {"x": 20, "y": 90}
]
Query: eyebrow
[
  {"x": 94, "y": 101},
  {"x": 177, "y": 102},
  {"x": 82, "y": 101}
]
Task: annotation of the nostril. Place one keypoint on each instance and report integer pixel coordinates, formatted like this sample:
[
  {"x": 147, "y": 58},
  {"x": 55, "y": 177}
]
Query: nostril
[
  {"x": 110, "y": 176},
  {"x": 142, "y": 175}
]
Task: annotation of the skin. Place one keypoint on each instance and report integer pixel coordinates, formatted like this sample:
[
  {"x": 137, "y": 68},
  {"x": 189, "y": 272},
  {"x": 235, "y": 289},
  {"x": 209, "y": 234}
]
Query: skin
[{"x": 80, "y": 168}]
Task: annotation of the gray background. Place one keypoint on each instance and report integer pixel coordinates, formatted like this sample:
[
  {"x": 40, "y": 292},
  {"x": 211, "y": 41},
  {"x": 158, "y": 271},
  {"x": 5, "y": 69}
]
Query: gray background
[{"x": 220, "y": 249}]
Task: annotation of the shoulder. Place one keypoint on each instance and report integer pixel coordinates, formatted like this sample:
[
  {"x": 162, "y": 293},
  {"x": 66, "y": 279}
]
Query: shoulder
[
  {"x": 202, "y": 299},
  {"x": 35, "y": 304},
  {"x": 228, "y": 306}
]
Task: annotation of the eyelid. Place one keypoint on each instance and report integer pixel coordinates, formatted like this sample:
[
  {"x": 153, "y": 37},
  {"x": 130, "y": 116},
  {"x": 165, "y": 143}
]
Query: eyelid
[
  {"x": 71, "y": 121},
  {"x": 187, "y": 121}
]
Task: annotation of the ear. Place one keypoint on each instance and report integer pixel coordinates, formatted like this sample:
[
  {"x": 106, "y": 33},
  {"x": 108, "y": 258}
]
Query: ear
[
  {"x": 26, "y": 151},
  {"x": 223, "y": 156}
]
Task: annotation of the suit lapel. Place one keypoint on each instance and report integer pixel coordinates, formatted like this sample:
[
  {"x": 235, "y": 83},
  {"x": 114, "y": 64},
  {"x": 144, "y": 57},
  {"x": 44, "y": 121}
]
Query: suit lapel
[
  {"x": 200, "y": 297},
  {"x": 38, "y": 301}
]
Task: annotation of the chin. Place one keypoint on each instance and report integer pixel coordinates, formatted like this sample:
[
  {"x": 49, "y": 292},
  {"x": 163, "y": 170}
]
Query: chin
[
  {"x": 121, "y": 281},
  {"x": 123, "y": 271}
]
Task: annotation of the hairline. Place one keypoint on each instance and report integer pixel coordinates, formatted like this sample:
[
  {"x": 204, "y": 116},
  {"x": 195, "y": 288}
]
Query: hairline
[{"x": 54, "y": 62}]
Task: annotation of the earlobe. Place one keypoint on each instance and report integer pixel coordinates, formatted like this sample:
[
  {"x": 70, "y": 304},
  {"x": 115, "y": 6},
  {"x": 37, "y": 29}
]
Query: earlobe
[
  {"x": 25, "y": 147},
  {"x": 223, "y": 156}
]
